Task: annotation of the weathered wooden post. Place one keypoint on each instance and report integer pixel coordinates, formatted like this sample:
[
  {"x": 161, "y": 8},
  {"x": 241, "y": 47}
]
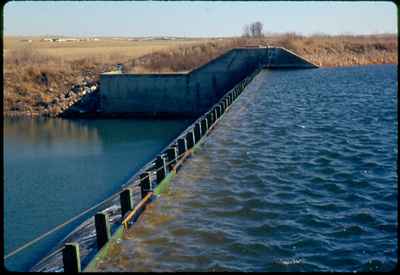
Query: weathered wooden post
[
  {"x": 190, "y": 140},
  {"x": 145, "y": 183},
  {"x": 125, "y": 198},
  {"x": 182, "y": 146},
  {"x": 71, "y": 258},
  {"x": 103, "y": 232},
  {"x": 197, "y": 132},
  {"x": 204, "y": 126},
  {"x": 223, "y": 107},
  {"x": 215, "y": 114},
  {"x": 210, "y": 118},
  {"x": 161, "y": 168},
  {"x": 171, "y": 156},
  {"x": 218, "y": 110}
]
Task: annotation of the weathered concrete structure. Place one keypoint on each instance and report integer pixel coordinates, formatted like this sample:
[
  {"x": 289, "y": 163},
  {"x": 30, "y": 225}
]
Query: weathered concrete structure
[{"x": 191, "y": 93}]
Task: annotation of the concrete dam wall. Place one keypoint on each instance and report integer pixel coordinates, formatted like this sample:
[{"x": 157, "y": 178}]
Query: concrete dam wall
[{"x": 192, "y": 93}]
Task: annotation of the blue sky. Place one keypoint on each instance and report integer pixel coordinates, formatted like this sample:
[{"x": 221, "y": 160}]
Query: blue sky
[{"x": 195, "y": 19}]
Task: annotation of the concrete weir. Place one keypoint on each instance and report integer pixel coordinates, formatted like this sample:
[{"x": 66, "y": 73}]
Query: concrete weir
[
  {"x": 188, "y": 94},
  {"x": 215, "y": 86}
]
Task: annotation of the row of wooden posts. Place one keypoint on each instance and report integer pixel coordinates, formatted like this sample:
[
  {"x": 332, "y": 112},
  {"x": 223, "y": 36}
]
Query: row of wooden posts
[{"x": 163, "y": 163}]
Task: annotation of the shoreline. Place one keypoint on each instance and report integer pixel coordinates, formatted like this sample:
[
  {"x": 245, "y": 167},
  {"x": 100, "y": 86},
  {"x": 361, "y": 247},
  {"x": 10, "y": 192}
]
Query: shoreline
[{"x": 38, "y": 114}]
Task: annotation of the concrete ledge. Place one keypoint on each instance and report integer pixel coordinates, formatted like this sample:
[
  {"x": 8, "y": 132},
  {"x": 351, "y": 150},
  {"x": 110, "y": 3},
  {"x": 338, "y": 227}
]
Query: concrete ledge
[{"x": 188, "y": 94}]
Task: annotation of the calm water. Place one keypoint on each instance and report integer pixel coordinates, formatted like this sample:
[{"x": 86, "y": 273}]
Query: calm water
[
  {"x": 300, "y": 175},
  {"x": 55, "y": 168}
]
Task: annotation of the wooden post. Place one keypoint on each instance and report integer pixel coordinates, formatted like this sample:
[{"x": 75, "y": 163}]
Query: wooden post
[
  {"x": 223, "y": 107},
  {"x": 190, "y": 140},
  {"x": 71, "y": 258},
  {"x": 171, "y": 156},
  {"x": 197, "y": 132},
  {"x": 160, "y": 163},
  {"x": 218, "y": 111},
  {"x": 215, "y": 114},
  {"x": 209, "y": 118},
  {"x": 182, "y": 146},
  {"x": 204, "y": 126},
  {"x": 125, "y": 198},
  {"x": 145, "y": 183},
  {"x": 103, "y": 232}
]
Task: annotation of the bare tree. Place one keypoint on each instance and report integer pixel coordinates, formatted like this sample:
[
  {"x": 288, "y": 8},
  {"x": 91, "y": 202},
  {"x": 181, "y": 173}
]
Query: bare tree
[
  {"x": 257, "y": 28},
  {"x": 253, "y": 30},
  {"x": 246, "y": 31}
]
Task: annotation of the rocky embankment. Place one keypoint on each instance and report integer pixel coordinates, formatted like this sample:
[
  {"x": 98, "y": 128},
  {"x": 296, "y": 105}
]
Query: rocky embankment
[{"x": 79, "y": 98}]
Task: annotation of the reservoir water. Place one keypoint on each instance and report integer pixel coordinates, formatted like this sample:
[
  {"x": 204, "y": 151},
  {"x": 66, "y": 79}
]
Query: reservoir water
[
  {"x": 299, "y": 175},
  {"x": 56, "y": 168}
]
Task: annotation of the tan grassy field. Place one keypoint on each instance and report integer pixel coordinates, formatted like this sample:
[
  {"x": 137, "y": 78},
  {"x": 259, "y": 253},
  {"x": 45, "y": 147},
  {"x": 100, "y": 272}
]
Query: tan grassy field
[
  {"x": 38, "y": 74},
  {"x": 105, "y": 47},
  {"x": 63, "y": 64}
]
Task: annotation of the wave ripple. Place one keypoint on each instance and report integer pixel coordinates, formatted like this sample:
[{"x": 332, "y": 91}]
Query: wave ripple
[{"x": 300, "y": 175}]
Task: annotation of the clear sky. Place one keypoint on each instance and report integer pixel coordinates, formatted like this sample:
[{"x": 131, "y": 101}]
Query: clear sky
[{"x": 195, "y": 19}]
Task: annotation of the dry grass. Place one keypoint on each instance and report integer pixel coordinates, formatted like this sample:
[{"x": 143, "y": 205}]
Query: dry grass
[
  {"x": 36, "y": 73},
  {"x": 343, "y": 50},
  {"x": 326, "y": 51}
]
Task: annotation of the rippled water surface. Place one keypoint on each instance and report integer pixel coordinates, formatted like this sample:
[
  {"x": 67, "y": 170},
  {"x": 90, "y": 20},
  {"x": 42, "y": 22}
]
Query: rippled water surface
[{"x": 300, "y": 175}]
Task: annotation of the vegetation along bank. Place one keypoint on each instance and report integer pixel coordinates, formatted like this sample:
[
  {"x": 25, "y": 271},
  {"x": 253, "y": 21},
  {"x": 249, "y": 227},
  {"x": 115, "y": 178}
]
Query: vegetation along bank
[{"x": 44, "y": 77}]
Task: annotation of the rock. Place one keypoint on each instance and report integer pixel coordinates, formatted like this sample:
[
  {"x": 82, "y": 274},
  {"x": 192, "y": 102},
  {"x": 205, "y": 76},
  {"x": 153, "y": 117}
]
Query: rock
[
  {"x": 75, "y": 88},
  {"x": 55, "y": 110},
  {"x": 46, "y": 112},
  {"x": 19, "y": 106},
  {"x": 72, "y": 94}
]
